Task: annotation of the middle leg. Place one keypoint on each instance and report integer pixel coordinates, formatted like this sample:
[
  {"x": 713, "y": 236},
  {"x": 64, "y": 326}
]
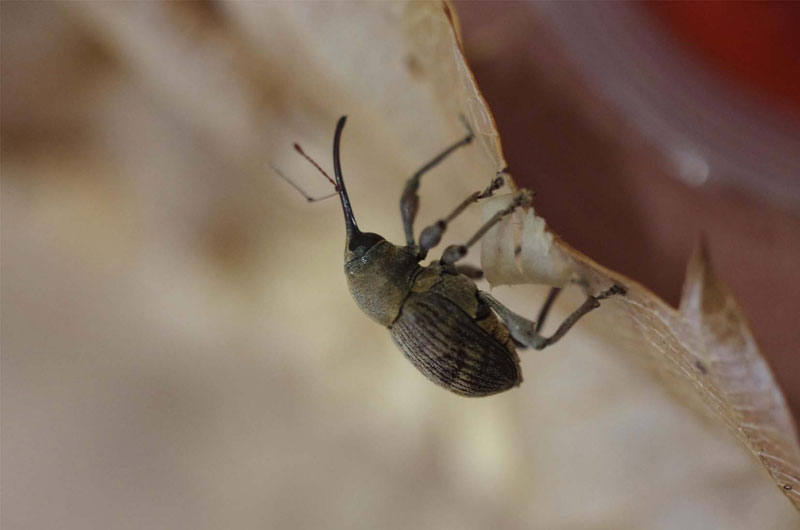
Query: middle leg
[{"x": 432, "y": 234}]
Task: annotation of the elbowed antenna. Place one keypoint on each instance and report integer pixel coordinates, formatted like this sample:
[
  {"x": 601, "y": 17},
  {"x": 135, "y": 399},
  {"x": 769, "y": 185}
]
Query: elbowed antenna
[{"x": 349, "y": 219}]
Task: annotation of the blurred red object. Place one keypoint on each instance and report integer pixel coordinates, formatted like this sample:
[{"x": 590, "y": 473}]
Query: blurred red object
[{"x": 754, "y": 43}]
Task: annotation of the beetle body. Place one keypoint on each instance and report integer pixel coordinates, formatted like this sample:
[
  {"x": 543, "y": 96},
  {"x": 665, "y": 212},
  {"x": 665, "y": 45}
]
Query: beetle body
[
  {"x": 454, "y": 338},
  {"x": 435, "y": 318},
  {"x": 457, "y": 336},
  {"x": 433, "y": 312}
]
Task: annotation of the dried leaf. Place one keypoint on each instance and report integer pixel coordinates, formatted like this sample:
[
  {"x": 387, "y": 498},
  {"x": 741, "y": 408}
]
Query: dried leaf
[
  {"x": 705, "y": 346},
  {"x": 511, "y": 257},
  {"x": 203, "y": 326}
]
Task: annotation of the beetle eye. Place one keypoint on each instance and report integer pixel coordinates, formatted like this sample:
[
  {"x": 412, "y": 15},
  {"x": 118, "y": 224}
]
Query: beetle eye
[{"x": 363, "y": 241}]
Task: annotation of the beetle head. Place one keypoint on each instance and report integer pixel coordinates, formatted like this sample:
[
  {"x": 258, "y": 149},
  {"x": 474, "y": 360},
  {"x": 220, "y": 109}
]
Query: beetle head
[{"x": 379, "y": 274}]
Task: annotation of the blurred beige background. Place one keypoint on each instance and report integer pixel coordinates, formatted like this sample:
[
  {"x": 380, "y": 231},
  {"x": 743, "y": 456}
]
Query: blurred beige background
[{"x": 178, "y": 346}]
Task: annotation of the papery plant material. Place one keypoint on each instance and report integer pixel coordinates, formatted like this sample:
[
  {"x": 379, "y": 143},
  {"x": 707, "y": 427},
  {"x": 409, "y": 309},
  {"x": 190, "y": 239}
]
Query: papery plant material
[
  {"x": 705, "y": 346},
  {"x": 705, "y": 349},
  {"x": 705, "y": 352},
  {"x": 512, "y": 256}
]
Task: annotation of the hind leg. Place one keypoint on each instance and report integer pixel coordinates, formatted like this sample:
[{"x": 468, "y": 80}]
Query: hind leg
[{"x": 526, "y": 331}]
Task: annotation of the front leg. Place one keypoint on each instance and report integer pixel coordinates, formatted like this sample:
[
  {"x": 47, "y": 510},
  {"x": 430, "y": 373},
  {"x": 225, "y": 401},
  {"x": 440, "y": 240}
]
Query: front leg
[
  {"x": 526, "y": 332},
  {"x": 409, "y": 200}
]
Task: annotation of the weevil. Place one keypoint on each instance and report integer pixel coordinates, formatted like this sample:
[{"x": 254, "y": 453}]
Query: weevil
[{"x": 458, "y": 336}]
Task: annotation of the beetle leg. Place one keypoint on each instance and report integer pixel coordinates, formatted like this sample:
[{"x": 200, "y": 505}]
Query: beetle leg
[
  {"x": 470, "y": 271},
  {"x": 454, "y": 253},
  {"x": 548, "y": 303},
  {"x": 527, "y": 332},
  {"x": 432, "y": 234},
  {"x": 409, "y": 200}
]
